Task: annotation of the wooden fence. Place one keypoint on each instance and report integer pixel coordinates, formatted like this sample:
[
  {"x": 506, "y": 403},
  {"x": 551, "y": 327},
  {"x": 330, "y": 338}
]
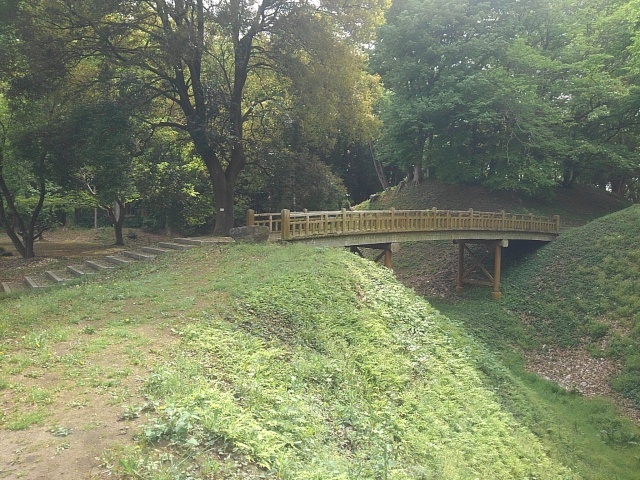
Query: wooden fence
[{"x": 298, "y": 225}]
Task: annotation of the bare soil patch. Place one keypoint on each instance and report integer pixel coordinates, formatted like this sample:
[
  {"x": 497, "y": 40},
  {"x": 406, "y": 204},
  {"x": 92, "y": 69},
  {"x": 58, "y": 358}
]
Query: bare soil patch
[
  {"x": 83, "y": 416},
  {"x": 78, "y": 397}
]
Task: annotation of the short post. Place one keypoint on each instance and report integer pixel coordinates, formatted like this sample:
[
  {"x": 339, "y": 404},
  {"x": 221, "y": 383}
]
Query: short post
[
  {"x": 250, "y": 217},
  {"x": 460, "y": 275},
  {"x": 556, "y": 218},
  {"x": 387, "y": 257},
  {"x": 496, "y": 271},
  {"x": 286, "y": 222}
]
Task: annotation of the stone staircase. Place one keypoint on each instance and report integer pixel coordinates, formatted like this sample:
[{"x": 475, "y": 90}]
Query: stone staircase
[{"x": 93, "y": 267}]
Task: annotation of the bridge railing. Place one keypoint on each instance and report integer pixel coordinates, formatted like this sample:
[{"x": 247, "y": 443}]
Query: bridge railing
[{"x": 292, "y": 225}]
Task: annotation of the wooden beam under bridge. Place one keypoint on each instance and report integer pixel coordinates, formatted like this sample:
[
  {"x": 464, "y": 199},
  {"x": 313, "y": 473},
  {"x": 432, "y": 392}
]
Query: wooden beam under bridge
[
  {"x": 477, "y": 264},
  {"x": 388, "y": 249}
]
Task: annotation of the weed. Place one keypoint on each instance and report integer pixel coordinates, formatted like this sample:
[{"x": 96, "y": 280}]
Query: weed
[
  {"x": 60, "y": 431},
  {"x": 24, "y": 420},
  {"x": 62, "y": 447},
  {"x": 89, "y": 330}
]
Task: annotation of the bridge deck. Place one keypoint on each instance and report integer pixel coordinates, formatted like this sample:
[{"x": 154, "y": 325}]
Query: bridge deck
[
  {"x": 385, "y": 229},
  {"x": 348, "y": 228}
]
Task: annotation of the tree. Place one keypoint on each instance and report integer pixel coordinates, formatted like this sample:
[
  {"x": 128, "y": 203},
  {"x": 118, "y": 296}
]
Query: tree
[
  {"x": 94, "y": 155},
  {"x": 513, "y": 95},
  {"x": 208, "y": 59},
  {"x": 31, "y": 102},
  {"x": 172, "y": 184}
]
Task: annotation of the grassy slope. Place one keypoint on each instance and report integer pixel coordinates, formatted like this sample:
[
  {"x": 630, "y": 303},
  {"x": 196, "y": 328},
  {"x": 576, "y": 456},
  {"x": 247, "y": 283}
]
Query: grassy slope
[
  {"x": 583, "y": 286},
  {"x": 294, "y": 363}
]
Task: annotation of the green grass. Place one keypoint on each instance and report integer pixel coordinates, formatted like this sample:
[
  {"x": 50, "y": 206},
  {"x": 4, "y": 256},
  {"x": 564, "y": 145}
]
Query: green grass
[
  {"x": 583, "y": 287},
  {"x": 303, "y": 363},
  {"x": 322, "y": 366},
  {"x": 586, "y": 433}
]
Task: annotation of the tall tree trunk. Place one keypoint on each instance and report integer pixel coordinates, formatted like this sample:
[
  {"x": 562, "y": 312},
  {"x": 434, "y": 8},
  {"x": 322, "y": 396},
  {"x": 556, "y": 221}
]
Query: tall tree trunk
[
  {"x": 379, "y": 170},
  {"x": 224, "y": 205},
  {"x": 116, "y": 215},
  {"x": 416, "y": 168}
]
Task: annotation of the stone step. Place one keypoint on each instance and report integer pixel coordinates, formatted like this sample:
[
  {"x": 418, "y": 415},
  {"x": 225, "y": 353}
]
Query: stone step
[
  {"x": 118, "y": 260},
  {"x": 174, "y": 246},
  {"x": 138, "y": 255},
  {"x": 204, "y": 241},
  {"x": 97, "y": 265},
  {"x": 79, "y": 271},
  {"x": 155, "y": 250},
  {"x": 55, "y": 277},
  {"x": 10, "y": 287},
  {"x": 31, "y": 282}
]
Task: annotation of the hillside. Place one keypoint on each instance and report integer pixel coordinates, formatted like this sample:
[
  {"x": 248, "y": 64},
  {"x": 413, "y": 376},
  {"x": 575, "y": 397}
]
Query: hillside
[
  {"x": 429, "y": 267},
  {"x": 570, "y": 309},
  {"x": 575, "y": 206},
  {"x": 583, "y": 290},
  {"x": 269, "y": 362}
]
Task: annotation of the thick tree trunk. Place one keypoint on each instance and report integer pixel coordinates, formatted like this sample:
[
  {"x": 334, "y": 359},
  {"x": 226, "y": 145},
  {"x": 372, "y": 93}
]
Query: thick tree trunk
[
  {"x": 416, "y": 176},
  {"x": 116, "y": 215}
]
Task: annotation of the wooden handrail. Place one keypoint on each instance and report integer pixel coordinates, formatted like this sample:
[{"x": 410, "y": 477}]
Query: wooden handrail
[{"x": 293, "y": 225}]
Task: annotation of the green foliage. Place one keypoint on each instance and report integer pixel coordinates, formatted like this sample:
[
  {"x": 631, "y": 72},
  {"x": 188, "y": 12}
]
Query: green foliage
[
  {"x": 173, "y": 186},
  {"x": 513, "y": 95},
  {"x": 295, "y": 181}
]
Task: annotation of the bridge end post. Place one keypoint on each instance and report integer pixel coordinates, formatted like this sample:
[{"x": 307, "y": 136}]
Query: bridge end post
[
  {"x": 285, "y": 218},
  {"x": 250, "y": 217}
]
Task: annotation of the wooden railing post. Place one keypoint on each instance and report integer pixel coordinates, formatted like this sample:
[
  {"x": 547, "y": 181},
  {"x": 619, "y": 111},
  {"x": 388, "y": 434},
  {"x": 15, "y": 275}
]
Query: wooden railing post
[
  {"x": 250, "y": 217},
  {"x": 556, "y": 218},
  {"x": 286, "y": 222},
  {"x": 344, "y": 220}
]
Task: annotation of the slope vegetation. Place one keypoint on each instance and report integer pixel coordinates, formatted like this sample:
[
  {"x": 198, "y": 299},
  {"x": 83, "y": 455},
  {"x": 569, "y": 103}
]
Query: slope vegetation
[
  {"x": 320, "y": 365},
  {"x": 291, "y": 363},
  {"x": 583, "y": 289}
]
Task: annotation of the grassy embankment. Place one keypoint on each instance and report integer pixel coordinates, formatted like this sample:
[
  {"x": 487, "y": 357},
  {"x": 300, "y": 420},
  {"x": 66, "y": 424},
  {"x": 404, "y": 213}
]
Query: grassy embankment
[
  {"x": 291, "y": 363},
  {"x": 580, "y": 292}
]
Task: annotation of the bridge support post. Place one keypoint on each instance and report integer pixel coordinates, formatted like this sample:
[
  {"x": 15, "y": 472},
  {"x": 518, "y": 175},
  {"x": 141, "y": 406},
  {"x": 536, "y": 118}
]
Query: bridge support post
[
  {"x": 492, "y": 278},
  {"x": 497, "y": 261},
  {"x": 387, "y": 258},
  {"x": 460, "y": 274}
]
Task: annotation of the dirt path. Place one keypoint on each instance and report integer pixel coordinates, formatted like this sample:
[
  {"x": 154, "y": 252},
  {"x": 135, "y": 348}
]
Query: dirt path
[{"x": 63, "y": 405}]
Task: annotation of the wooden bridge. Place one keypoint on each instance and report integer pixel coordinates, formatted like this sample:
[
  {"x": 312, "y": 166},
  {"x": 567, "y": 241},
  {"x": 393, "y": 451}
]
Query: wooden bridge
[{"x": 386, "y": 229}]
